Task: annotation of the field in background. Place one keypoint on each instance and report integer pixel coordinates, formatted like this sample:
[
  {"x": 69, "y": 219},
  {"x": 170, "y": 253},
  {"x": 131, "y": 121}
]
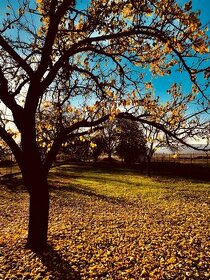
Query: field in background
[
  {"x": 191, "y": 158},
  {"x": 190, "y": 165},
  {"x": 110, "y": 223}
]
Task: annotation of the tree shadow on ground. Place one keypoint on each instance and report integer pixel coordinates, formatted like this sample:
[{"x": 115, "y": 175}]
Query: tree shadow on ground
[
  {"x": 13, "y": 182},
  {"x": 184, "y": 170},
  {"x": 93, "y": 176},
  {"x": 169, "y": 169},
  {"x": 88, "y": 192},
  {"x": 57, "y": 266},
  {"x": 98, "y": 167}
]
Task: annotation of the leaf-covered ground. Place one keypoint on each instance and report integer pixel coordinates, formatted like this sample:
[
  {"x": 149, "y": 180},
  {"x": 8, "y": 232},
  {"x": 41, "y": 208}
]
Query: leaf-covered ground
[{"x": 110, "y": 224}]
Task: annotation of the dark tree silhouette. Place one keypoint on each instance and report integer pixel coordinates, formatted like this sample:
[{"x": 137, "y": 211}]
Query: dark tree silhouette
[{"x": 132, "y": 144}]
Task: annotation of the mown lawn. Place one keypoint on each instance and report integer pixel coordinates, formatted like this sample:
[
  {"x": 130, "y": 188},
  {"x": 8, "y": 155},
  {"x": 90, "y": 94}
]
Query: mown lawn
[{"x": 110, "y": 224}]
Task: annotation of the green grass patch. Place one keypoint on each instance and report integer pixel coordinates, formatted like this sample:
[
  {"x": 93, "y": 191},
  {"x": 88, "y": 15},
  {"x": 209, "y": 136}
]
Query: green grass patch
[{"x": 125, "y": 183}]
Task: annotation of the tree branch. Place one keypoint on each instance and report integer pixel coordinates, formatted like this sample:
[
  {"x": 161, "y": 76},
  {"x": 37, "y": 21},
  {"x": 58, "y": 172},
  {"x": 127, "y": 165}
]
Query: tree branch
[
  {"x": 16, "y": 56},
  {"x": 9, "y": 100},
  {"x": 55, "y": 18},
  {"x": 162, "y": 128},
  {"x": 12, "y": 144}
]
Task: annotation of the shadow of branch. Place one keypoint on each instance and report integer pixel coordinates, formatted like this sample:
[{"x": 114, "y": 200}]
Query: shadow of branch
[{"x": 87, "y": 192}]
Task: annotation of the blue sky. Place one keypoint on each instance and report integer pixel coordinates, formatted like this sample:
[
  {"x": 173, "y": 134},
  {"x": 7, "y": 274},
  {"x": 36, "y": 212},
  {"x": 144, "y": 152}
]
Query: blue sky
[
  {"x": 161, "y": 84},
  {"x": 204, "y": 6}
]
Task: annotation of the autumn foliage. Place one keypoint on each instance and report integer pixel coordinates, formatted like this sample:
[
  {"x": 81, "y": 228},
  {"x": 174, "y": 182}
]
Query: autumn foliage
[{"x": 68, "y": 66}]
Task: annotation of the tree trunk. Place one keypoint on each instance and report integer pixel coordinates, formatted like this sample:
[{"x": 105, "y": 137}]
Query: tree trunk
[
  {"x": 38, "y": 216},
  {"x": 109, "y": 150},
  {"x": 109, "y": 156},
  {"x": 35, "y": 179},
  {"x": 149, "y": 166}
]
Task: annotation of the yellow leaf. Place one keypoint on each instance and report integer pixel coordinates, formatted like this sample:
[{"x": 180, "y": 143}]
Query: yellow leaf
[
  {"x": 171, "y": 260},
  {"x": 92, "y": 145},
  {"x": 127, "y": 10},
  {"x": 148, "y": 85}
]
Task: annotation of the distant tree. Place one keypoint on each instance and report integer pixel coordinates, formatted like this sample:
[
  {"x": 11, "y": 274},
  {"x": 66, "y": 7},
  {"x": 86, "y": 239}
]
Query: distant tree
[
  {"x": 155, "y": 140},
  {"x": 174, "y": 119},
  {"x": 132, "y": 143},
  {"x": 97, "y": 146},
  {"x": 106, "y": 139},
  {"x": 111, "y": 135},
  {"x": 77, "y": 149}
]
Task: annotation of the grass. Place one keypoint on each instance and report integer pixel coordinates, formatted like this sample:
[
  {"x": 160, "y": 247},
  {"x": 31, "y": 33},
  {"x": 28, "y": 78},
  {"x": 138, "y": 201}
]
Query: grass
[
  {"x": 125, "y": 183},
  {"x": 108, "y": 223}
]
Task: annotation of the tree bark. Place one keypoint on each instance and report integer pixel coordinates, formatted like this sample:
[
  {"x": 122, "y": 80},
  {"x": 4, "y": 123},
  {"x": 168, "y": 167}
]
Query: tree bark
[
  {"x": 35, "y": 179},
  {"x": 148, "y": 166},
  {"x": 36, "y": 182},
  {"x": 38, "y": 216},
  {"x": 109, "y": 156}
]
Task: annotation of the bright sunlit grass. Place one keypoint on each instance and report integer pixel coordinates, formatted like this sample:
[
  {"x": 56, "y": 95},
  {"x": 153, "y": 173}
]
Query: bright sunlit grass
[{"x": 127, "y": 183}]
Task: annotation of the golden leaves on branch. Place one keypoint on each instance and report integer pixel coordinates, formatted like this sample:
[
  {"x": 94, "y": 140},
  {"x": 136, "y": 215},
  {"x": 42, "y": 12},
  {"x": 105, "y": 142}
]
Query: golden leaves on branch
[
  {"x": 127, "y": 11},
  {"x": 148, "y": 85},
  {"x": 200, "y": 46}
]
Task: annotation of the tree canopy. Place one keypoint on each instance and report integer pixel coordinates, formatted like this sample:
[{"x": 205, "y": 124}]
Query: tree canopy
[{"x": 89, "y": 59}]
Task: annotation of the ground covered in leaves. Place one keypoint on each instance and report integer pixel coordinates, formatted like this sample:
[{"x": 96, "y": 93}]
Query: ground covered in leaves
[{"x": 110, "y": 224}]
